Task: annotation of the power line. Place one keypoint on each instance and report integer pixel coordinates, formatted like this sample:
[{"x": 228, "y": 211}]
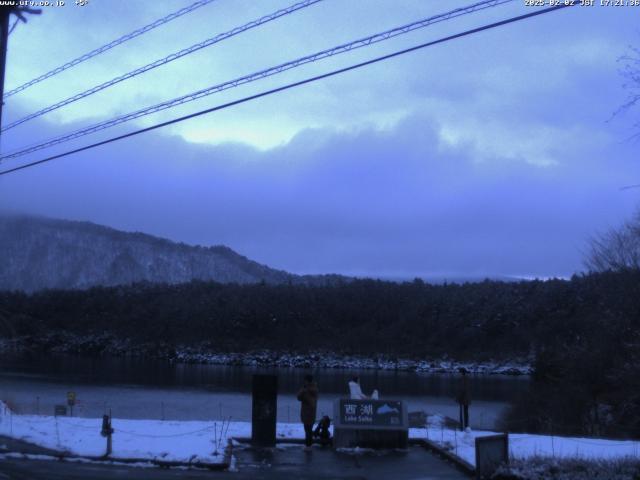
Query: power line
[
  {"x": 110, "y": 45},
  {"x": 291, "y": 85},
  {"x": 362, "y": 42},
  {"x": 169, "y": 58}
]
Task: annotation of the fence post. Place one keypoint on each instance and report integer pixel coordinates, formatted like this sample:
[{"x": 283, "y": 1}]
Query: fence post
[
  {"x": 426, "y": 427},
  {"x": 57, "y": 432},
  {"x": 455, "y": 439},
  {"x": 107, "y": 431}
]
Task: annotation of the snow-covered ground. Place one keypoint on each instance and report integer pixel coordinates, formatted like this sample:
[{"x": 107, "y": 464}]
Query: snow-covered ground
[
  {"x": 185, "y": 441},
  {"x": 205, "y": 441},
  {"x": 192, "y": 441},
  {"x": 524, "y": 446}
]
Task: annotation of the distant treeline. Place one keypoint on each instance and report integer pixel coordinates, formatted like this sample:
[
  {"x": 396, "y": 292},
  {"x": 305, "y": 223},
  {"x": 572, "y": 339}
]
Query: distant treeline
[{"x": 473, "y": 321}]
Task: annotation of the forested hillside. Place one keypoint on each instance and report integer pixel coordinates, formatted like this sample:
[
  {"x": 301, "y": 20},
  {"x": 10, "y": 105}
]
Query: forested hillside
[{"x": 40, "y": 253}]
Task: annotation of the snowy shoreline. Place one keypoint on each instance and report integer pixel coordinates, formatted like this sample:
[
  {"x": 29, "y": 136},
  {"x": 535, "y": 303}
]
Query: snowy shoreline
[
  {"x": 98, "y": 346},
  {"x": 330, "y": 360}
]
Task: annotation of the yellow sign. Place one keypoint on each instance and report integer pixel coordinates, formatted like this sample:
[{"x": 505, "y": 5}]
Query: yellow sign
[{"x": 71, "y": 398}]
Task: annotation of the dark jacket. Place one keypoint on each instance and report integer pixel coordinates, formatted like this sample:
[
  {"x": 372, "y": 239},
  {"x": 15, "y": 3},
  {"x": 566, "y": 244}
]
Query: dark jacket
[{"x": 308, "y": 396}]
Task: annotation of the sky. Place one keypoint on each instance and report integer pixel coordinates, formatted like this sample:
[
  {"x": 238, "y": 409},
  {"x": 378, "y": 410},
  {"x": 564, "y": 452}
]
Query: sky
[{"x": 496, "y": 154}]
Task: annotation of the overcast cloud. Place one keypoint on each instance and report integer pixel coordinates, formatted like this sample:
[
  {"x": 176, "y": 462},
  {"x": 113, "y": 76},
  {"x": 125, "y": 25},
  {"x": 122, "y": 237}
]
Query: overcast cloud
[{"x": 490, "y": 155}]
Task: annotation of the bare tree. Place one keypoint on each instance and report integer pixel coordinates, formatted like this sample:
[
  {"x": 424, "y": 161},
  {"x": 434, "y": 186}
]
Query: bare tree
[
  {"x": 619, "y": 248},
  {"x": 630, "y": 72},
  {"x": 616, "y": 249}
]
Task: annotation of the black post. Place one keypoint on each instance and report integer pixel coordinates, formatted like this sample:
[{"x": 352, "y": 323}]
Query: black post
[
  {"x": 264, "y": 410},
  {"x": 107, "y": 431}
]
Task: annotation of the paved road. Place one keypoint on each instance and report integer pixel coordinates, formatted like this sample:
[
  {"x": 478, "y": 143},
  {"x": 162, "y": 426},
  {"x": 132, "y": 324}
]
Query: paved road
[
  {"x": 292, "y": 462},
  {"x": 282, "y": 463},
  {"x": 15, "y": 445}
]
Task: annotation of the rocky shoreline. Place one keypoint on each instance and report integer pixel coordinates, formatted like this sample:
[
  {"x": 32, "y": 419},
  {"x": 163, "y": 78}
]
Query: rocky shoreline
[
  {"x": 333, "y": 360},
  {"x": 106, "y": 345}
]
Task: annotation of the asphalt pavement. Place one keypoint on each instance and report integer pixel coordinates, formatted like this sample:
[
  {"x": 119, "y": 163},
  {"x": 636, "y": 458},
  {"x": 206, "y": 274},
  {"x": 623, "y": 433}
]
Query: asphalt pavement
[{"x": 283, "y": 462}]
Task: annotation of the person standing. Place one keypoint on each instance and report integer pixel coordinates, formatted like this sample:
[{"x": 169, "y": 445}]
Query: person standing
[
  {"x": 355, "y": 392},
  {"x": 308, "y": 397},
  {"x": 464, "y": 399}
]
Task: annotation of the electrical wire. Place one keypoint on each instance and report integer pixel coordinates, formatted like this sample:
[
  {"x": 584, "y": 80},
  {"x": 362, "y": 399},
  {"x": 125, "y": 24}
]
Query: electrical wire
[
  {"x": 109, "y": 46},
  {"x": 292, "y": 85},
  {"x": 362, "y": 42},
  {"x": 171, "y": 435},
  {"x": 168, "y": 59}
]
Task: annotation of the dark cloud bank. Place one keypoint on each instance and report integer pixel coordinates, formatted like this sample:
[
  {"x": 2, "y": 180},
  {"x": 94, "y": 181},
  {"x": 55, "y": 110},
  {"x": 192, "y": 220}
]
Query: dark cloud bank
[{"x": 395, "y": 202}]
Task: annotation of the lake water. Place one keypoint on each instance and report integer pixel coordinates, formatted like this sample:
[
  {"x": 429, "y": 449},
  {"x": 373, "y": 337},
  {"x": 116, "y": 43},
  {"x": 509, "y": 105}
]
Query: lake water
[{"x": 142, "y": 388}]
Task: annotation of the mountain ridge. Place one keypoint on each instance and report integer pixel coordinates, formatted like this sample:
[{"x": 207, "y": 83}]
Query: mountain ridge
[{"x": 47, "y": 253}]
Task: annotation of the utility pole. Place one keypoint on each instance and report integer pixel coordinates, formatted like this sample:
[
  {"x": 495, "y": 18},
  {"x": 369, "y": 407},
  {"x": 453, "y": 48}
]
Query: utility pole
[
  {"x": 4, "y": 37},
  {"x": 5, "y": 14}
]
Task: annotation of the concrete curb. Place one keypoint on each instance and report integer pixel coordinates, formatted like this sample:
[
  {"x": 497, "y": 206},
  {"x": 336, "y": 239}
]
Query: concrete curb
[
  {"x": 296, "y": 441},
  {"x": 278, "y": 440},
  {"x": 462, "y": 465}
]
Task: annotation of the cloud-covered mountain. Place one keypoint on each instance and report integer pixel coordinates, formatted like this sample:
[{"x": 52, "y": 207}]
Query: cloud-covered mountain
[{"x": 39, "y": 253}]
